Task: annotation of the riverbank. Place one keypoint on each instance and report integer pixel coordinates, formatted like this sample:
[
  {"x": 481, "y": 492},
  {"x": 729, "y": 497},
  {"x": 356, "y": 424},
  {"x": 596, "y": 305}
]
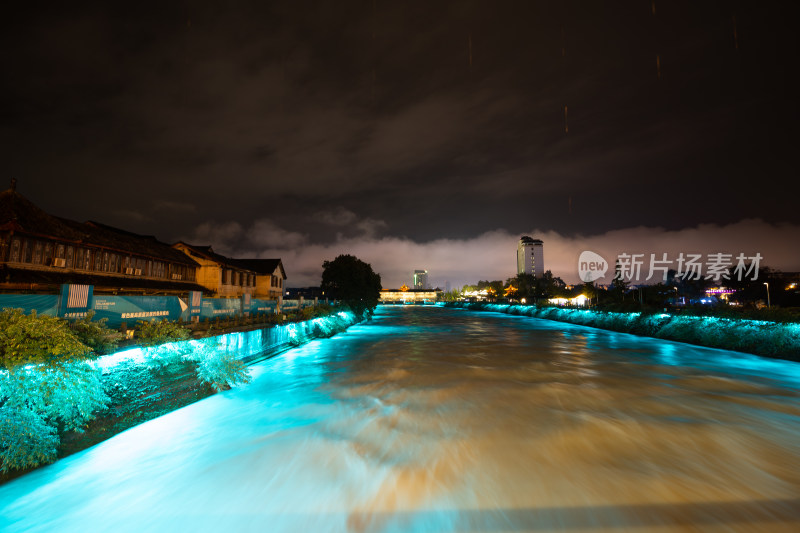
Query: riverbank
[
  {"x": 767, "y": 339},
  {"x": 143, "y": 383}
]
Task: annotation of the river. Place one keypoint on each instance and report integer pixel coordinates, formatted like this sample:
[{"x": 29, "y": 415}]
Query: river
[{"x": 433, "y": 419}]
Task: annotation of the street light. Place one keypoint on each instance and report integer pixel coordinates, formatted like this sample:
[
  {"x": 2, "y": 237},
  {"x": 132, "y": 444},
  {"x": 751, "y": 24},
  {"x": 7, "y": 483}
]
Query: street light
[{"x": 767, "y": 284}]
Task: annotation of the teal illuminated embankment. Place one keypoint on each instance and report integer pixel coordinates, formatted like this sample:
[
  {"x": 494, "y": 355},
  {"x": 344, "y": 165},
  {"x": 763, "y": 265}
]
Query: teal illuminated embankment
[
  {"x": 50, "y": 412},
  {"x": 769, "y": 339},
  {"x": 244, "y": 345}
]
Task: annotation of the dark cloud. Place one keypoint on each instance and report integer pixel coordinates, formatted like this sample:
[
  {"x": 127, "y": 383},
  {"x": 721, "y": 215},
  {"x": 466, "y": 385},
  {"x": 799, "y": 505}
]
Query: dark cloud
[
  {"x": 492, "y": 255},
  {"x": 315, "y": 123}
]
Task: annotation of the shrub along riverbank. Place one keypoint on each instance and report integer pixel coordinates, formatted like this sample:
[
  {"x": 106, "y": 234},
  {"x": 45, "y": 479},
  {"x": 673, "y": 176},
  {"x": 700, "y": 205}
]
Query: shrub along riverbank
[
  {"x": 58, "y": 395},
  {"x": 768, "y": 339}
]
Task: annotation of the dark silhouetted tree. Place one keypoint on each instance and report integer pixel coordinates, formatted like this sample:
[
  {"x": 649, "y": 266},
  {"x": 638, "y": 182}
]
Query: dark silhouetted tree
[{"x": 353, "y": 282}]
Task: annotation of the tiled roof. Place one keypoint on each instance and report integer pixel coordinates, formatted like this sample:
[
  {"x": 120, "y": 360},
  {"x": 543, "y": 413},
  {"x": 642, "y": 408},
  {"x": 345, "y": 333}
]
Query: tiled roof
[
  {"x": 260, "y": 266},
  {"x": 19, "y": 214},
  {"x": 207, "y": 253}
]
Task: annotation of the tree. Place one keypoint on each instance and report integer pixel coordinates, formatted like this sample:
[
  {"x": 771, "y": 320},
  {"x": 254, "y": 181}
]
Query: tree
[
  {"x": 98, "y": 337},
  {"x": 549, "y": 286},
  {"x": 619, "y": 287},
  {"x": 545, "y": 286},
  {"x": 153, "y": 333},
  {"x": 353, "y": 282},
  {"x": 47, "y": 383},
  {"x": 36, "y": 339},
  {"x": 526, "y": 287}
]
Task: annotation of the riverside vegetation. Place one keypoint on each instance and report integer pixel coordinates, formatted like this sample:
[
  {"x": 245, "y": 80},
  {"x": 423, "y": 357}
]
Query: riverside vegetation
[
  {"x": 759, "y": 337},
  {"x": 54, "y": 400}
]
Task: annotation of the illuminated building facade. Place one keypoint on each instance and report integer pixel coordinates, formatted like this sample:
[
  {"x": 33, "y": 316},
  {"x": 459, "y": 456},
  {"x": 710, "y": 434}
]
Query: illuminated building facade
[
  {"x": 530, "y": 256},
  {"x": 409, "y": 296},
  {"x": 421, "y": 279}
]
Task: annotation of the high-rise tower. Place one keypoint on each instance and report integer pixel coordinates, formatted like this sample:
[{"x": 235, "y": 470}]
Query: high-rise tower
[
  {"x": 421, "y": 279},
  {"x": 530, "y": 256}
]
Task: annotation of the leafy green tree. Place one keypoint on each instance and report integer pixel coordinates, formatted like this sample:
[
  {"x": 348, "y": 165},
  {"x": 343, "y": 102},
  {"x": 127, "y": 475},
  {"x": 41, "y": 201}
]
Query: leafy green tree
[
  {"x": 26, "y": 439},
  {"x": 160, "y": 332},
  {"x": 36, "y": 339},
  {"x": 98, "y": 337},
  {"x": 47, "y": 384},
  {"x": 452, "y": 296},
  {"x": 526, "y": 287},
  {"x": 549, "y": 286},
  {"x": 352, "y": 281},
  {"x": 533, "y": 288},
  {"x": 219, "y": 368},
  {"x": 66, "y": 394}
]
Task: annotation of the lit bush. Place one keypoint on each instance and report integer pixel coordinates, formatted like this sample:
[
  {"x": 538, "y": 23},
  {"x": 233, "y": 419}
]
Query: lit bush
[
  {"x": 221, "y": 370},
  {"x": 98, "y": 337},
  {"x": 26, "y": 439},
  {"x": 160, "y": 332},
  {"x": 36, "y": 339},
  {"x": 754, "y": 336},
  {"x": 67, "y": 394},
  {"x": 46, "y": 383}
]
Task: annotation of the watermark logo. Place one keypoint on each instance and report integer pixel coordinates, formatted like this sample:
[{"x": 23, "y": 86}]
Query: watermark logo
[
  {"x": 718, "y": 266},
  {"x": 591, "y": 266},
  {"x": 685, "y": 266}
]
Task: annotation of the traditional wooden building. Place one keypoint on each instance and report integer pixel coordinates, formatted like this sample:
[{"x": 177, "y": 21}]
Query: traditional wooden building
[
  {"x": 270, "y": 277},
  {"x": 220, "y": 275},
  {"x": 39, "y": 252}
]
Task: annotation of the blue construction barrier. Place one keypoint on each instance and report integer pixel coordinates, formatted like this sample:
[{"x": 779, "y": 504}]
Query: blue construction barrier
[{"x": 76, "y": 301}]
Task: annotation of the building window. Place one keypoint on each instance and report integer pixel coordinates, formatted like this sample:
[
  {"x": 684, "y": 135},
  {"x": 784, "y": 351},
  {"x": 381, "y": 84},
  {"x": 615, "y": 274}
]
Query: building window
[
  {"x": 47, "y": 257},
  {"x": 27, "y": 251},
  {"x": 37, "y": 253},
  {"x": 104, "y": 266},
  {"x": 79, "y": 254},
  {"x": 69, "y": 257},
  {"x": 15, "y": 246}
]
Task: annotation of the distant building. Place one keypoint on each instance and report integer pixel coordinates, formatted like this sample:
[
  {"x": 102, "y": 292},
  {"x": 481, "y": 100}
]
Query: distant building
[
  {"x": 219, "y": 274},
  {"x": 409, "y": 296},
  {"x": 270, "y": 277},
  {"x": 39, "y": 252},
  {"x": 421, "y": 279},
  {"x": 530, "y": 256}
]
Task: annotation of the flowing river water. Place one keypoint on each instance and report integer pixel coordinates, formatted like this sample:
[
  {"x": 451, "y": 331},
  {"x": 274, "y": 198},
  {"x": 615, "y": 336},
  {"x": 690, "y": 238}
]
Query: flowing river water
[{"x": 433, "y": 419}]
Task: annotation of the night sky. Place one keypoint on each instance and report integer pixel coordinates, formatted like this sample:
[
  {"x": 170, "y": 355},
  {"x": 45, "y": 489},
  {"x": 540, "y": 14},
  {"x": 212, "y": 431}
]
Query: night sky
[{"x": 412, "y": 134}]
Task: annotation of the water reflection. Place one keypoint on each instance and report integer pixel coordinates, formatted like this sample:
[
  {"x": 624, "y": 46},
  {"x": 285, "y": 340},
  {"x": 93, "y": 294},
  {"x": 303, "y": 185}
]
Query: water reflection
[{"x": 445, "y": 420}]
